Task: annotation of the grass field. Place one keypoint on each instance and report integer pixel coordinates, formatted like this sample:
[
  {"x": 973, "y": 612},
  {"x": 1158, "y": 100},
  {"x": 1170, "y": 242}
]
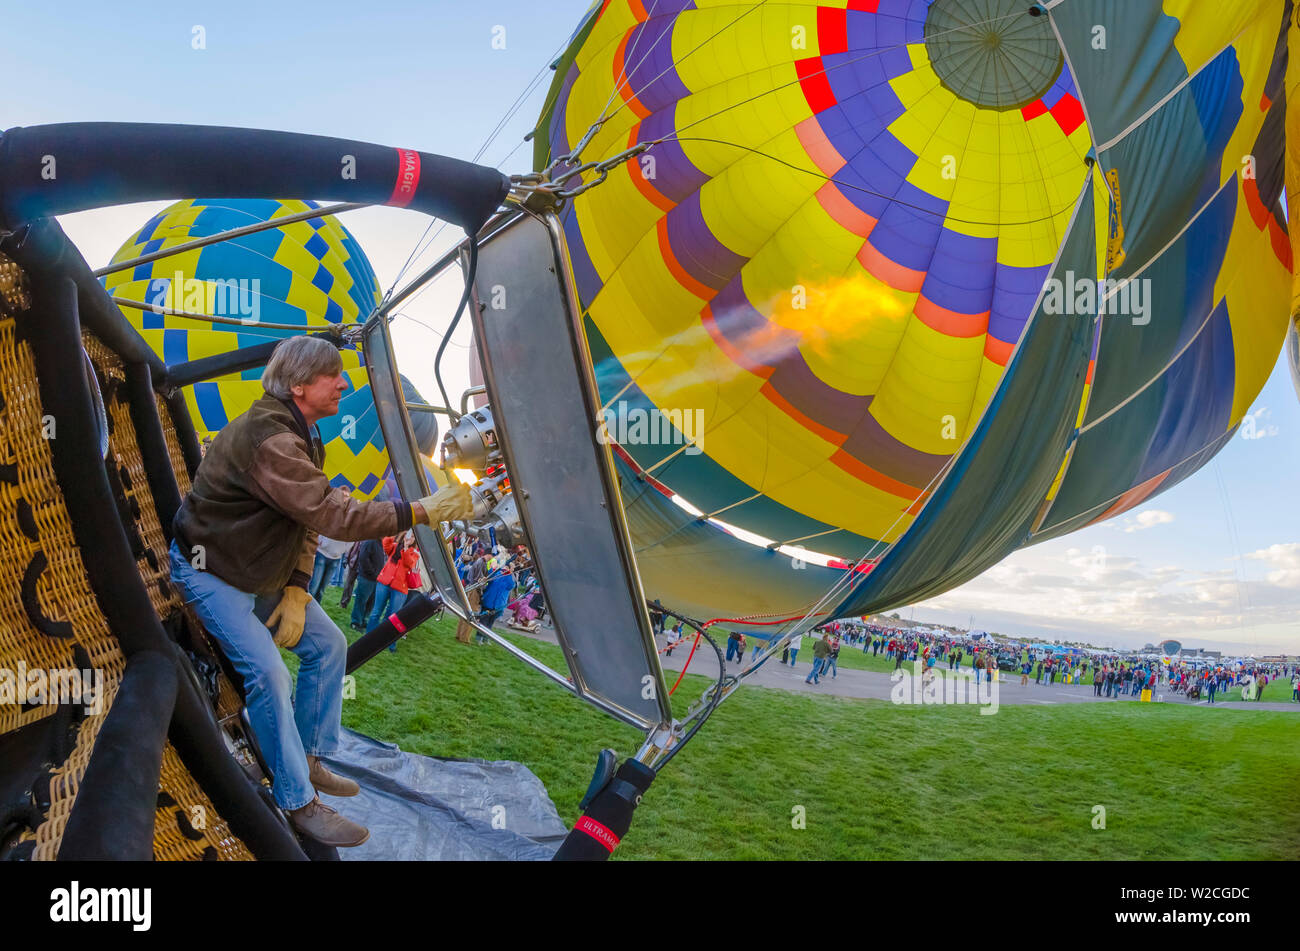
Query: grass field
[{"x": 871, "y": 779}]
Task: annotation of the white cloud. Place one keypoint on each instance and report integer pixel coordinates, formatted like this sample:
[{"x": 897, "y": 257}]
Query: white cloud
[
  {"x": 1253, "y": 426},
  {"x": 1284, "y": 562},
  {"x": 1148, "y": 519},
  {"x": 1106, "y": 597}
]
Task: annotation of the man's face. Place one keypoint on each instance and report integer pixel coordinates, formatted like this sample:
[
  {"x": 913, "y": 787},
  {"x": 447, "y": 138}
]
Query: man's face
[{"x": 320, "y": 397}]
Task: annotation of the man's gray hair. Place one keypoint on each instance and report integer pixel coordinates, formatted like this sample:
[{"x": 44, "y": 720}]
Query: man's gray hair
[{"x": 299, "y": 360}]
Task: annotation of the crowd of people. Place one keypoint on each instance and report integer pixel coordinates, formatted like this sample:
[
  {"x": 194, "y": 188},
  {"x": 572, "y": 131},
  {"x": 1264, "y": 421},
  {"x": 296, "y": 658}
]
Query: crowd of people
[
  {"x": 1110, "y": 675},
  {"x": 379, "y": 576}
]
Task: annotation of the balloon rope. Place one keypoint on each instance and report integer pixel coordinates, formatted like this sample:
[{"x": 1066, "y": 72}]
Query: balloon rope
[{"x": 336, "y": 329}]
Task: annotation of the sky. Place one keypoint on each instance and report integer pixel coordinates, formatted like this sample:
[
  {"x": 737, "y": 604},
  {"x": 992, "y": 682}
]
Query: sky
[{"x": 1214, "y": 562}]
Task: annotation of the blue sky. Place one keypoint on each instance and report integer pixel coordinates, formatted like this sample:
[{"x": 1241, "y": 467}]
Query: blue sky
[{"x": 1215, "y": 560}]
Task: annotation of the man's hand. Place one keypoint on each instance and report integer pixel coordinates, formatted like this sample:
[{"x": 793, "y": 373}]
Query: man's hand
[
  {"x": 291, "y": 613},
  {"x": 447, "y": 504}
]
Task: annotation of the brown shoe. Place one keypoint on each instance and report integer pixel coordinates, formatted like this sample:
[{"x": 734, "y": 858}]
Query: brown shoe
[
  {"x": 327, "y": 782},
  {"x": 318, "y": 821}
]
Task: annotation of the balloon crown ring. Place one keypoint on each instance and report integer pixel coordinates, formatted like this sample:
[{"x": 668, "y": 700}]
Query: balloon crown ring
[{"x": 993, "y": 53}]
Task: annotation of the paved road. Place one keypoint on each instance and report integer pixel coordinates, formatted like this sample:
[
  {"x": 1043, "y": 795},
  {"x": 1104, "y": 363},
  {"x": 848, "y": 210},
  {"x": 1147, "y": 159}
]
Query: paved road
[{"x": 870, "y": 685}]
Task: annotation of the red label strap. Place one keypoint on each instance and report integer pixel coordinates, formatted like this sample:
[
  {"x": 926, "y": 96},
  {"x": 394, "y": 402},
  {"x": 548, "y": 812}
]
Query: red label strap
[
  {"x": 597, "y": 831},
  {"x": 408, "y": 176},
  {"x": 397, "y": 623}
]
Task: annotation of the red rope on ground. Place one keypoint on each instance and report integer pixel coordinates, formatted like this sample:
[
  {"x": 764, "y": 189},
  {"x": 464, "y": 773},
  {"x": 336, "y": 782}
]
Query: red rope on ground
[{"x": 685, "y": 665}]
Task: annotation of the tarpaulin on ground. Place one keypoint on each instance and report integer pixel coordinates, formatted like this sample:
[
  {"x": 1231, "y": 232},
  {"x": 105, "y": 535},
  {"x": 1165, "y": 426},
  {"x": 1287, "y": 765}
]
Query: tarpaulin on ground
[{"x": 425, "y": 808}]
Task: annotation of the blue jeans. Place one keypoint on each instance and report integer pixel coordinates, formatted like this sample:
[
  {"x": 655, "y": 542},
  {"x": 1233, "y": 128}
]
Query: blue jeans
[
  {"x": 387, "y": 601},
  {"x": 794, "y": 655},
  {"x": 819, "y": 664},
  {"x": 361, "y": 600},
  {"x": 321, "y": 572},
  {"x": 288, "y": 728},
  {"x": 488, "y": 618},
  {"x": 831, "y": 666}
]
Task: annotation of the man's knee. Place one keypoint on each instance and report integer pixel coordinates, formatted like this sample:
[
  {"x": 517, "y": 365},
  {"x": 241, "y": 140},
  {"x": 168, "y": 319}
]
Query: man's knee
[{"x": 327, "y": 643}]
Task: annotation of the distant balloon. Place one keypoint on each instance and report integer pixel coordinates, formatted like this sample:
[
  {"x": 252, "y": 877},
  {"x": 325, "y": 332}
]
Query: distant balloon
[{"x": 310, "y": 273}]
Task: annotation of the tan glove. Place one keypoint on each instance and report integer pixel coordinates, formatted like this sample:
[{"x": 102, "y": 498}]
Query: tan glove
[
  {"x": 448, "y": 504},
  {"x": 291, "y": 613}
]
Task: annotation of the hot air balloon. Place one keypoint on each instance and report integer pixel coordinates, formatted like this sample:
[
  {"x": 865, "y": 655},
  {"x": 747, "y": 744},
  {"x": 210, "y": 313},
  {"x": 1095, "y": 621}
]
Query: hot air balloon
[
  {"x": 940, "y": 279},
  {"x": 304, "y": 274}
]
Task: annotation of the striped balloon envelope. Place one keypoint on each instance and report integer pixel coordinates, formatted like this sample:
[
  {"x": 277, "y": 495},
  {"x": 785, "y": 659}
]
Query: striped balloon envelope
[
  {"x": 909, "y": 284},
  {"x": 307, "y": 274}
]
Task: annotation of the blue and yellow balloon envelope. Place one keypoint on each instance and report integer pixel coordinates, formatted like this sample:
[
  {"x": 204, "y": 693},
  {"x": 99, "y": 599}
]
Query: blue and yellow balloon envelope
[{"x": 307, "y": 273}]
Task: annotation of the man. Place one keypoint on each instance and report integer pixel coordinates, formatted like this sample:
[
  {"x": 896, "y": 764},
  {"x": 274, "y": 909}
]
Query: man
[
  {"x": 821, "y": 651},
  {"x": 370, "y": 561},
  {"x": 471, "y": 573},
  {"x": 496, "y": 595},
  {"x": 328, "y": 553},
  {"x": 349, "y": 574},
  {"x": 244, "y": 548},
  {"x": 674, "y": 638},
  {"x": 656, "y": 616}
]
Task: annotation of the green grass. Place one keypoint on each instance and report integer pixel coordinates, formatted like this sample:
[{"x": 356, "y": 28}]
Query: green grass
[
  {"x": 1277, "y": 691},
  {"x": 874, "y": 780}
]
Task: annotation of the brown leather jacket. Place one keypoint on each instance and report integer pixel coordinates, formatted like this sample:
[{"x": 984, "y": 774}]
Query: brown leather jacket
[{"x": 260, "y": 499}]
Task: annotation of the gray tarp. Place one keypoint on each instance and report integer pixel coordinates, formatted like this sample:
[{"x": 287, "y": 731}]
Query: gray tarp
[{"x": 422, "y": 808}]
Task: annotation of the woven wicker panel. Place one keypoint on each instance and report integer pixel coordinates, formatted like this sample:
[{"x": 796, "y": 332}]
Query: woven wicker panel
[
  {"x": 122, "y": 443},
  {"x": 63, "y": 595},
  {"x": 66, "y": 778},
  {"x": 182, "y": 806},
  {"x": 174, "y": 446},
  {"x": 182, "y": 810},
  {"x": 13, "y": 287},
  {"x": 61, "y": 591}
]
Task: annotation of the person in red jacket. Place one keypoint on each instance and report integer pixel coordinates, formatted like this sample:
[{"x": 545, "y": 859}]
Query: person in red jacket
[{"x": 391, "y": 586}]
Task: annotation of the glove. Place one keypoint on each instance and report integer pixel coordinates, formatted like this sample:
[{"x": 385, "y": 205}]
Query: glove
[
  {"x": 291, "y": 613},
  {"x": 448, "y": 504}
]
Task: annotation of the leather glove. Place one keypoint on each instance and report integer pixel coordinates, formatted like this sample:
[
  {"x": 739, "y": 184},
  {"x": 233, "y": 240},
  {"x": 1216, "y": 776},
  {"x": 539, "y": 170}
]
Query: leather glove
[
  {"x": 448, "y": 504},
  {"x": 291, "y": 613}
]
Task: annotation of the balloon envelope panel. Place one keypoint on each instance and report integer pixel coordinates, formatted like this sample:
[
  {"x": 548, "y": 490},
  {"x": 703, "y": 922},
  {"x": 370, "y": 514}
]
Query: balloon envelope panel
[{"x": 822, "y": 271}]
